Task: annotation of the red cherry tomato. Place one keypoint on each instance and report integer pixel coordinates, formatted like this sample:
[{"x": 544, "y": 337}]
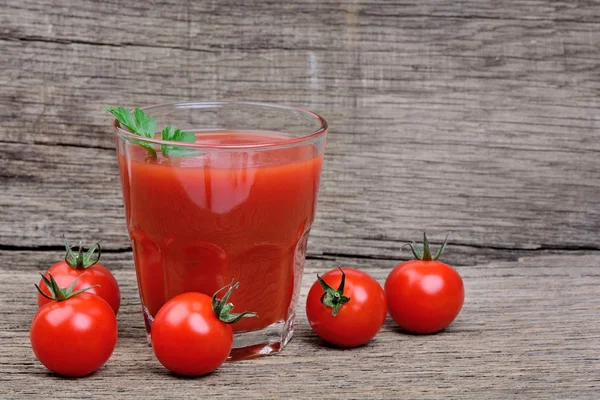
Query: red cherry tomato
[
  {"x": 424, "y": 295},
  {"x": 190, "y": 337},
  {"x": 85, "y": 268},
  {"x": 359, "y": 307},
  {"x": 74, "y": 336}
]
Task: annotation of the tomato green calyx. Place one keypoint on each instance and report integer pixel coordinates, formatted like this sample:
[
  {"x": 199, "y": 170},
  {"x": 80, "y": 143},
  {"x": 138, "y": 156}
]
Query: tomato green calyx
[
  {"x": 81, "y": 260},
  {"x": 222, "y": 308},
  {"x": 56, "y": 292},
  {"x": 334, "y": 298},
  {"x": 424, "y": 254}
]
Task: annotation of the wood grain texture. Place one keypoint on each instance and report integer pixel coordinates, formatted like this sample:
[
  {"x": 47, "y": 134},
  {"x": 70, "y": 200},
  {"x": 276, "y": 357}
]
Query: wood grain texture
[
  {"x": 462, "y": 117},
  {"x": 475, "y": 117},
  {"x": 529, "y": 329}
]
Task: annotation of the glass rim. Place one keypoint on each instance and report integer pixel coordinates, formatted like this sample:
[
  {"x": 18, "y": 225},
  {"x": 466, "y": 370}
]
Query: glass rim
[{"x": 213, "y": 104}]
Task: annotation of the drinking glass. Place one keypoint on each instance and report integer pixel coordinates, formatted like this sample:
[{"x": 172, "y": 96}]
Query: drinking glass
[{"x": 236, "y": 205}]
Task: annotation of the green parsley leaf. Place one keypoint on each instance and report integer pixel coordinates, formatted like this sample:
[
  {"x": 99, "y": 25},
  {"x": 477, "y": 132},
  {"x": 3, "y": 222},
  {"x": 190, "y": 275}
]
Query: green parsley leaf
[
  {"x": 143, "y": 125},
  {"x": 148, "y": 146},
  {"x": 146, "y": 126},
  {"x": 123, "y": 116},
  {"x": 187, "y": 137},
  {"x": 168, "y": 133},
  {"x": 177, "y": 135}
]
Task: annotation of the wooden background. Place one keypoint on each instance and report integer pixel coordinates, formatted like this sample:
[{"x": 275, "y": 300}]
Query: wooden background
[{"x": 475, "y": 117}]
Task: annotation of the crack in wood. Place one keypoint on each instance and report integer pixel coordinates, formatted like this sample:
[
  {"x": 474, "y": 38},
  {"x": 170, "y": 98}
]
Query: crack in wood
[
  {"x": 74, "y": 145},
  {"x": 92, "y": 43},
  {"x": 327, "y": 256}
]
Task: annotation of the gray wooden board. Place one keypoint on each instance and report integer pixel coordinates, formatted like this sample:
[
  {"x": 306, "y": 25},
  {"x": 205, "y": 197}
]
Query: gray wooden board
[
  {"x": 475, "y": 117},
  {"x": 528, "y": 328},
  {"x": 462, "y": 116}
]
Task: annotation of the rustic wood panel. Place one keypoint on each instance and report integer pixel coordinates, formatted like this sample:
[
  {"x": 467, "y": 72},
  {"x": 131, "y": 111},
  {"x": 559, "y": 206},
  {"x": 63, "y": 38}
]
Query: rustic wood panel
[
  {"x": 462, "y": 117},
  {"x": 53, "y": 191},
  {"x": 527, "y": 329},
  {"x": 476, "y": 117}
]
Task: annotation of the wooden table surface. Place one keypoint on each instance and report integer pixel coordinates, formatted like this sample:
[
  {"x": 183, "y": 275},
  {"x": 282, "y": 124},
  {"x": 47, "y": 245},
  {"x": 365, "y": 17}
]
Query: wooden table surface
[{"x": 475, "y": 117}]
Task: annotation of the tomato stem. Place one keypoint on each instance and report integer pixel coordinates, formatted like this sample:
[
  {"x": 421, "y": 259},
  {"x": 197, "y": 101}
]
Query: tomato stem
[
  {"x": 81, "y": 260},
  {"x": 331, "y": 297},
  {"x": 222, "y": 308},
  {"x": 56, "y": 292},
  {"x": 424, "y": 254}
]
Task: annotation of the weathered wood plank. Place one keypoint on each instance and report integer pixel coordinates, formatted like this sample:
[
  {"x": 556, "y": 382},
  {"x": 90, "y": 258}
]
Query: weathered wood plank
[
  {"x": 476, "y": 117},
  {"x": 462, "y": 116},
  {"x": 538, "y": 204},
  {"x": 527, "y": 330},
  {"x": 215, "y": 26},
  {"x": 481, "y": 71}
]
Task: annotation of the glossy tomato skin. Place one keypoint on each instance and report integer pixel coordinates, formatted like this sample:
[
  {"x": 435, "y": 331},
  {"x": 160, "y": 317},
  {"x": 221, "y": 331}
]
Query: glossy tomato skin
[
  {"x": 424, "y": 296},
  {"x": 358, "y": 320},
  {"x": 76, "y": 336},
  {"x": 188, "y": 338},
  {"x": 97, "y": 274}
]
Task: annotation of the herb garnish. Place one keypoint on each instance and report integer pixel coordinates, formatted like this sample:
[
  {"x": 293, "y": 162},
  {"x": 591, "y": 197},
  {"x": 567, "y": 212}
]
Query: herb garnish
[
  {"x": 143, "y": 125},
  {"x": 176, "y": 135}
]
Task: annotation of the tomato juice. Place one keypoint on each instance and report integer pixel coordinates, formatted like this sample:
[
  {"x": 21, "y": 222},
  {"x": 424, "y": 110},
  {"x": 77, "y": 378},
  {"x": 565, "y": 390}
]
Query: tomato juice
[{"x": 200, "y": 221}]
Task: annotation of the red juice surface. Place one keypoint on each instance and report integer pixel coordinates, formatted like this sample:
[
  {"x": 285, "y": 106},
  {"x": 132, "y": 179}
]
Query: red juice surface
[{"x": 198, "y": 222}]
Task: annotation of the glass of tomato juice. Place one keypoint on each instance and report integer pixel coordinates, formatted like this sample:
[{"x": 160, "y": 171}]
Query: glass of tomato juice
[{"x": 236, "y": 205}]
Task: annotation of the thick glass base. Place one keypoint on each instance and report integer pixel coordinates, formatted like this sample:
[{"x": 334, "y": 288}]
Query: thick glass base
[
  {"x": 251, "y": 344},
  {"x": 271, "y": 339}
]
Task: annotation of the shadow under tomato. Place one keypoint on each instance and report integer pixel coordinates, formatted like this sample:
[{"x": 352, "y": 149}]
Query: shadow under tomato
[
  {"x": 172, "y": 375},
  {"x": 391, "y": 325},
  {"x": 316, "y": 341},
  {"x": 51, "y": 374}
]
